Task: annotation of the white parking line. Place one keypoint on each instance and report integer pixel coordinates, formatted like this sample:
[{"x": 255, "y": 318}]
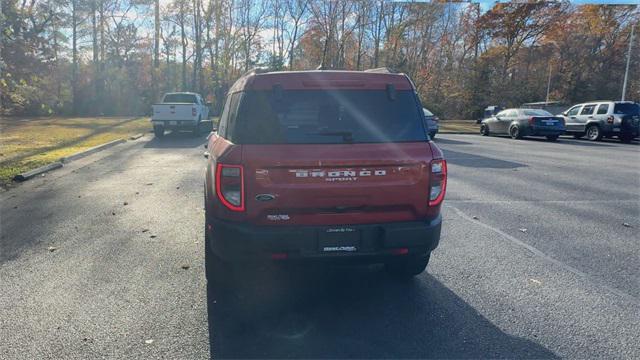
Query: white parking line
[{"x": 546, "y": 257}]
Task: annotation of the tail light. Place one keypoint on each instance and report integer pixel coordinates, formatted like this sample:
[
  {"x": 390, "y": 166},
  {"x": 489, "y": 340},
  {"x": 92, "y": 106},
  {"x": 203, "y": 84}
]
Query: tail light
[
  {"x": 532, "y": 120},
  {"x": 230, "y": 186},
  {"x": 438, "y": 182},
  {"x": 193, "y": 111},
  {"x": 610, "y": 119}
]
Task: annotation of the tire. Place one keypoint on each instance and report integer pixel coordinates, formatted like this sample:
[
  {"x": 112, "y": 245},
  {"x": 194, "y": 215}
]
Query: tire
[
  {"x": 196, "y": 129},
  {"x": 552, "y": 137},
  {"x": 408, "y": 267},
  {"x": 626, "y": 138},
  {"x": 432, "y": 135},
  {"x": 578, "y": 136},
  {"x": 593, "y": 133},
  {"x": 158, "y": 131},
  {"x": 514, "y": 132},
  {"x": 484, "y": 130}
]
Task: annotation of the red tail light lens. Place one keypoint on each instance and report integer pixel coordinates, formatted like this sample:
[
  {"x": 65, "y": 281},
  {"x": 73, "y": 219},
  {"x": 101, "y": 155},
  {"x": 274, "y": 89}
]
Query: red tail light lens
[
  {"x": 610, "y": 119},
  {"x": 438, "y": 182},
  {"x": 193, "y": 111},
  {"x": 230, "y": 186}
]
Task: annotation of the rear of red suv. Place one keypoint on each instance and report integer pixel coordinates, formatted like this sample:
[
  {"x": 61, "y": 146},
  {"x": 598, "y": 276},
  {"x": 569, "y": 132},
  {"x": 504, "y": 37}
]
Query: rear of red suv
[{"x": 324, "y": 165}]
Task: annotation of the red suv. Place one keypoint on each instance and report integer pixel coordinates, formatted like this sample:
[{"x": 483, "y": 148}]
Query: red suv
[{"x": 324, "y": 165}]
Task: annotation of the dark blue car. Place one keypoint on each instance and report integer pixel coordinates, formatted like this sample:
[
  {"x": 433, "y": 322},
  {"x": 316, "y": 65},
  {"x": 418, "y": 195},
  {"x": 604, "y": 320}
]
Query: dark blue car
[{"x": 518, "y": 123}]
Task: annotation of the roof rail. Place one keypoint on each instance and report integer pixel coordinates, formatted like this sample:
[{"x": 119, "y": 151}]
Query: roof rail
[
  {"x": 382, "y": 70},
  {"x": 256, "y": 70}
]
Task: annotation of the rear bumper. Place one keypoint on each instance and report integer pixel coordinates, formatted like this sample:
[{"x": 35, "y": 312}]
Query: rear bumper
[
  {"x": 238, "y": 242},
  {"x": 542, "y": 131},
  {"x": 174, "y": 124}
]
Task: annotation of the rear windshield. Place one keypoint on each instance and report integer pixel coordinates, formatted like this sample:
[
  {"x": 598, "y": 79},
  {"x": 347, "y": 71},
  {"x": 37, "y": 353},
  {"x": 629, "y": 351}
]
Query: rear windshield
[
  {"x": 536, "y": 112},
  {"x": 327, "y": 117},
  {"x": 626, "y": 109},
  {"x": 180, "y": 98}
]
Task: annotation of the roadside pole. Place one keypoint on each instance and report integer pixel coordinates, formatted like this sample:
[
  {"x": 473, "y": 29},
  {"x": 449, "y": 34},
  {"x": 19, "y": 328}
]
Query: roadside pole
[
  {"x": 549, "y": 83},
  {"x": 626, "y": 72}
]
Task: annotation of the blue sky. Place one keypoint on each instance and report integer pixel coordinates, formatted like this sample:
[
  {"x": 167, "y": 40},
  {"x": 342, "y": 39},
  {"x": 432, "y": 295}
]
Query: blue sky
[{"x": 487, "y": 4}]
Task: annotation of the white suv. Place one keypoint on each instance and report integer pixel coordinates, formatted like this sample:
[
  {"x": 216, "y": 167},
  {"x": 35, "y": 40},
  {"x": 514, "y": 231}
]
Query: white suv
[{"x": 603, "y": 118}]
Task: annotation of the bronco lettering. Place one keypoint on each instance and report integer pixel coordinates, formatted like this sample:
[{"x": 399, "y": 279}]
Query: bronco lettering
[{"x": 337, "y": 173}]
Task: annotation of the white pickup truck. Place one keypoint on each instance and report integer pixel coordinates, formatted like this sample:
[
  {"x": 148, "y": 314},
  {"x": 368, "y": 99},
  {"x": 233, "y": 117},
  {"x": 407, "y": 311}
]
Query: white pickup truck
[{"x": 179, "y": 111}]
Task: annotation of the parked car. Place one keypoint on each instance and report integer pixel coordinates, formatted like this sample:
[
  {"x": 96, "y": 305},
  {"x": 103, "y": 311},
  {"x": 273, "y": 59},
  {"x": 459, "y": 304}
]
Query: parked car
[
  {"x": 323, "y": 165},
  {"x": 598, "y": 119},
  {"x": 179, "y": 111},
  {"x": 518, "y": 123},
  {"x": 432, "y": 122}
]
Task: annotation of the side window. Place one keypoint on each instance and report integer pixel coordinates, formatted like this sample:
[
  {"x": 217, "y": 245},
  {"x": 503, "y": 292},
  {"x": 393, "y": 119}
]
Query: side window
[
  {"x": 222, "y": 125},
  {"x": 588, "y": 109},
  {"x": 603, "y": 109},
  {"x": 573, "y": 111},
  {"x": 512, "y": 113},
  {"x": 233, "y": 114}
]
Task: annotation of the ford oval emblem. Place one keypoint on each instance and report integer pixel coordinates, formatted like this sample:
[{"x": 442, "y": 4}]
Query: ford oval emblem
[{"x": 265, "y": 197}]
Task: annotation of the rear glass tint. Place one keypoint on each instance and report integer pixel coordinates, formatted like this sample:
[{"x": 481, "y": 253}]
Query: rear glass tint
[
  {"x": 326, "y": 117},
  {"x": 180, "y": 98},
  {"x": 626, "y": 109},
  {"x": 536, "y": 112}
]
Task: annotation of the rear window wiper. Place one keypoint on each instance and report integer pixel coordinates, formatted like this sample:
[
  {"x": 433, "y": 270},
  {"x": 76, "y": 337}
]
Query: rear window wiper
[{"x": 347, "y": 136}]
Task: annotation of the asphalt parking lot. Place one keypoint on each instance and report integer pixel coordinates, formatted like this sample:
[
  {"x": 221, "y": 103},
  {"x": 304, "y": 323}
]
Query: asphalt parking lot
[{"x": 538, "y": 259}]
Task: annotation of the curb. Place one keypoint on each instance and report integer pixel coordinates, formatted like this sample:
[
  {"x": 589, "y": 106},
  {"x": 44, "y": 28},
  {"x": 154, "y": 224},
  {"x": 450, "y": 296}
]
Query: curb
[
  {"x": 459, "y": 133},
  {"x": 58, "y": 164},
  {"x": 35, "y": 172},
  {"x": 92, "y": 150}
]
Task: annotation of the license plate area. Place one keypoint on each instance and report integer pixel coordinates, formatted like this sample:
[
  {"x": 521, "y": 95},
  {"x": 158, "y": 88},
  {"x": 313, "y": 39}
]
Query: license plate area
[{"x": 339, "y": 240}]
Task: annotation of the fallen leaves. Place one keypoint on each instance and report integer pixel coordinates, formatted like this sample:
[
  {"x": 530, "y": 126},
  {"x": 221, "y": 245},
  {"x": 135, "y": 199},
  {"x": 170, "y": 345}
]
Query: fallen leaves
[
  {"x": 185, "y": 267},
  {"x": 523, "y": 230},
  {"x": 626, "y": 224},
  {"x": 52, "y": 248}
]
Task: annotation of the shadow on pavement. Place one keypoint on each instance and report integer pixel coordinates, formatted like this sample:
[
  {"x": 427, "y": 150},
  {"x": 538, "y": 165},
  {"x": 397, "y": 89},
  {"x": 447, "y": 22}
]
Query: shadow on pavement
[
  {"x": 569, "y": 141},
  {"x": 478, "y": 161},
  {"x": 177, "y": 139},
  {"x": 438, "y": 140},
  {"x": 351, "y": 312},
  {"x": 603, "y": 142}
]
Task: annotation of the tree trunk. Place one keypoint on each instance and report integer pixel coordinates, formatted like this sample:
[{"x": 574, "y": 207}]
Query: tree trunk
[
  {"x": 183, "y": 38},
  {"x": 74, "y": 57}
]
